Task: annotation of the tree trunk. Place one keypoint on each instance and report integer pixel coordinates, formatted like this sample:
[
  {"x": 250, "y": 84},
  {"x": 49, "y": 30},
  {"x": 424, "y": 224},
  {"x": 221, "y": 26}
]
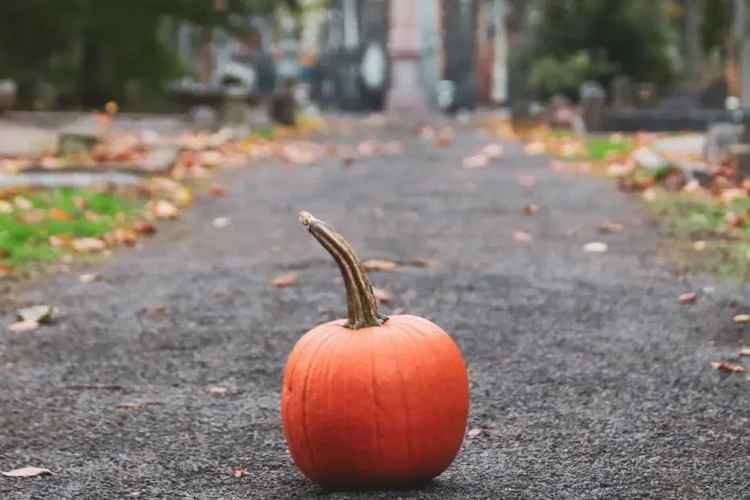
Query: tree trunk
[{"x": 693, "y": 48}]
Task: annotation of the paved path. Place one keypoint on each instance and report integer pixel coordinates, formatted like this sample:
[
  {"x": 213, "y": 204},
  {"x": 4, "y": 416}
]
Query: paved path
[{"x": 592, "y": 380}]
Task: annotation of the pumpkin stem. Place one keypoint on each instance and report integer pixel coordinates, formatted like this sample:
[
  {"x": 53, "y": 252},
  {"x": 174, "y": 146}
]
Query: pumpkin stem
[{"x": 361, "y": 302}]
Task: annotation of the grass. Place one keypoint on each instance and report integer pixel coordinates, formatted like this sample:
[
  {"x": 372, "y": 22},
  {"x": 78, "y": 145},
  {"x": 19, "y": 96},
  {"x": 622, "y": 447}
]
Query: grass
[
  {"x": 29, "y": 219},
  {"x": 599, "y": 148},
  {"x": 704, "y": 242}
]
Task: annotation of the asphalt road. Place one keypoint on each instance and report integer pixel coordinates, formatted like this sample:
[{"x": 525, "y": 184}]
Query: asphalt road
[{"x": 589, "y": 378}]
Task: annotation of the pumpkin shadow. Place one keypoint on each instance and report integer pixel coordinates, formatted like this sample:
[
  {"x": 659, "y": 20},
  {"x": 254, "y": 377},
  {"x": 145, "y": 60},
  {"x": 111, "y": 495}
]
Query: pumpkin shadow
[{"x": 417, "y": 486}]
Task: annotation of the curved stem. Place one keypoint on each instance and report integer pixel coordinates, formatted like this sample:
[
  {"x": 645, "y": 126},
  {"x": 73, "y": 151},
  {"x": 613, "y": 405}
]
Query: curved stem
[{"x": 360, "y": 299}]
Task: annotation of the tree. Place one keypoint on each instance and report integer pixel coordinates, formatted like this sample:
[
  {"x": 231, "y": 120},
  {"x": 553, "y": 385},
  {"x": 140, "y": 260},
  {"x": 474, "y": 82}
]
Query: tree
[
  {"x": 90, "y": 48},
  {"x": 630, "y": 36}
]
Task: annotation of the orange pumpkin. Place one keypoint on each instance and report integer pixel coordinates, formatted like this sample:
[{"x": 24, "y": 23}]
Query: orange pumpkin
[{"x": 372, "y": 400}]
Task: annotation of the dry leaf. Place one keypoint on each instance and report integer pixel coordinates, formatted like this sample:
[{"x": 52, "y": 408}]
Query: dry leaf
[
  {"x": 218, "y": 190},
  {"x": 237, "y": 472},
  {"x": 728, "y": 367},
  {"x": 284, "y": 280},
  {"x": 347, "y": 161},
  {"x": 27, "y": 472},
  {"x": 380, "y": 265},
  {"x": 127, "y": 406},
  {"x": 38, "y": 314},
  {"x": 741, "y": 318},
  {"x": 161, "y": 308},
  {"x": 90, "y": 278},
  {"x": 58, "y": 214},
  {"x": 382, "y": 295},
  {"x": 688, "y": 297},
  {"x": 610, "y": 228},
  {"x": 744, "y": 352},
  {"x": 474, "y": 432},
  {"x": 530, "y": 209},
  {"x": 424, "y": 263},
  {"x": 216, "y": 389},
  {"x": 88, "y": 245},
  {"x": 595, "y": 247},
  {"x": 477, "y": 161},
  {"x": 221, "y": 222},
  {"x": 493, "y": 150},
  {"x": 23, "y": 326},
  {"x": 162, "y": 209},
  {"x": 522, "y": 236},
  {"x": 144, "y": 228},
  {"x": 699, "y": 246},
  {"x": 535, "y": 148}
]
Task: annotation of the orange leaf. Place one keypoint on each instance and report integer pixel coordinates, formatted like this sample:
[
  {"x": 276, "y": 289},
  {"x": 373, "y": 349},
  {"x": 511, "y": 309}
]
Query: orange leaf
[
  {"x": 380, "y": 265},
  {"x": 741, "y": 318},
  {"x": 728, "y": 367},
  {"x": 237, "y": 472},
  {"x": 58, "y": 214},
  {"x": 610, "y": 228},
  {"x": 144, "y": 228},
  {"x": 688, "y": 297},
  {"x": 530, "y": 209},
  {"x": 284, "y": 280},
  {"x": 425, "y": 263},
  {"x": 218, "y": 190},
  {"x": 744, "y": 352}
]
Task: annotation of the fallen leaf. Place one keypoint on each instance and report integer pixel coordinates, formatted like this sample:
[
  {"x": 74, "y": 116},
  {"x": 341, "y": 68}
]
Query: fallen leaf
[
  {"x": 39, "y": 314},
  {"x": 144, "y": 228},
  {"x": 216, "y": 389},
  {"x": 493, "y": 150},
  {"x": 127, "y": 406},
  {"x": 221, "y": 222},
  {"x": 23, "y": 326},
  {"x": 688, "y": 297},
  {"x": 744, "y": 352},
  {"x": 474, "y": 432},
  {"x": 284, "y": 280},
  {"x": 380, "y": 265},
  {"x": 162, "y": 209},
  {"x": 535, "y": 148},
  {"x": 443, "y": 142},
  {"x": 88, "y": 245},
  {"x": 595, "y": 247},
  {"x": 526, "y": 181},
  {"x": 90, "y": 278},
  {"x": 522, "y": 236},
  {"x": 741, "y": 318},
  {"x": 728, "y": 367},
  {"x": 530, "y": 209},
  {"x": 477, "y": 161},
  {"x": 699, "y": 246},
  {"x": 27, "y": 472},
  {"x": 237, "y": 472},
  {"x": 22, "y": 203},
  {"x": 424, "y": 263},
  {"x": 610, "y": 228},
  {"x": 382, "y": 295},
  {"x": 58, "y": 214},
  {"x": 111, "y": 107},
  {"x": 218, "y": 190},
  {"x": 161, "y": 308}
]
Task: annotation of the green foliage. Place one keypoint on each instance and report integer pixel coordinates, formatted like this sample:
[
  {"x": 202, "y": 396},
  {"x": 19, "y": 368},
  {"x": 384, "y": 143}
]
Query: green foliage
[
  {"x": 552, "y": 75},
  {"x": 90, "y": 48},
  {"x": 631, "y": 35}
]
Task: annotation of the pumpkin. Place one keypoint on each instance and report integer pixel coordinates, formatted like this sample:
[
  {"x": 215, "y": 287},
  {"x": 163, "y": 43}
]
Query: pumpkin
[{"x": 372, "y": 400}]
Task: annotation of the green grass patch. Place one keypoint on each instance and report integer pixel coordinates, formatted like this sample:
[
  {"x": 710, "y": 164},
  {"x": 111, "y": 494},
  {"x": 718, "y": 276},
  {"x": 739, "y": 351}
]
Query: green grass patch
[
  {"x": 599, "y": 148},
  {"x": 723, "y": 251},
  {"x": 30, "y": 219}
]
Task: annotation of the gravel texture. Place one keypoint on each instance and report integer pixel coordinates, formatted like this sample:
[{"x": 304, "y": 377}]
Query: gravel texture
[{"x": 589, "y": 377}]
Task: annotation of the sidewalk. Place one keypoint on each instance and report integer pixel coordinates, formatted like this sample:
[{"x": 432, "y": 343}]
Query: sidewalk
[{"x": 589, "y": 378}]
